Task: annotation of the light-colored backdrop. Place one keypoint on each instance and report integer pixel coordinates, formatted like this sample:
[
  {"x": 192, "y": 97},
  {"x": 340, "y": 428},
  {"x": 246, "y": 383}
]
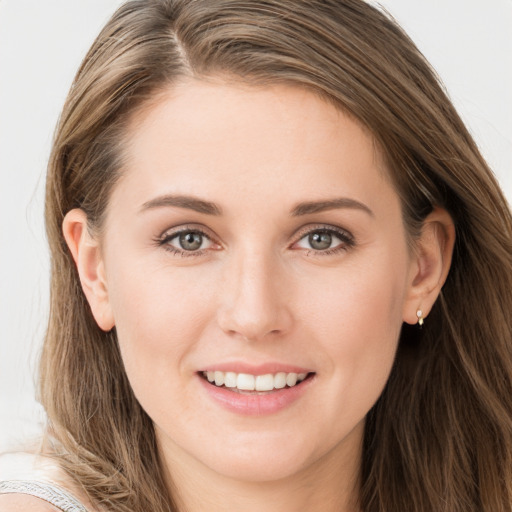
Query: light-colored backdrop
[{"x": 41, "y": 46}]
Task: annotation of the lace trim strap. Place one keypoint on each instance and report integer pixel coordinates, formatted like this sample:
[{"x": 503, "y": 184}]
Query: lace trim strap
[{"x": 54, "y": 495}]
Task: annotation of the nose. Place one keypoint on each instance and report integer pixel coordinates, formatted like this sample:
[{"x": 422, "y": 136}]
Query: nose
[{"x": 254, "y": 302}]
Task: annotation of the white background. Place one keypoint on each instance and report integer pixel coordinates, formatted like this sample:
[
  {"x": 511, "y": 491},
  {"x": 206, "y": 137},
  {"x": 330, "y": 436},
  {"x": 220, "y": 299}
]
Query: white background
[{"x": 41, "y": 46}]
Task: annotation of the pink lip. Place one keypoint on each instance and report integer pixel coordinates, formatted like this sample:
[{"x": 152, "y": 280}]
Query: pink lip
[{"x": 253, "y": 404}]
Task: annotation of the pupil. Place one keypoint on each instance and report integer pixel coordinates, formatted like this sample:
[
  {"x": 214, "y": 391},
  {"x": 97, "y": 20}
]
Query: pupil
[
  {"x": 320, "y": 241},
  {"x": 191, "y": 241}
]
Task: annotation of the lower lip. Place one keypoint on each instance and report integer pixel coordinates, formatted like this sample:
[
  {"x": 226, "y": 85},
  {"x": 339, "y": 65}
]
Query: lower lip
[{"x": 256, "y": 404}]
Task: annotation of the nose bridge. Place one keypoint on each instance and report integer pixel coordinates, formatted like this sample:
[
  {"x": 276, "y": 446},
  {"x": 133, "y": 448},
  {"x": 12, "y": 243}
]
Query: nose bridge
[{"x": 254, "y": 303}]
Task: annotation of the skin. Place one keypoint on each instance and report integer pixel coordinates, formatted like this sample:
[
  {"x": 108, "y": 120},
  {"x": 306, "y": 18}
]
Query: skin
[
  {"x": 257, "y": 291},
  {"x": 22, "y": 502}
]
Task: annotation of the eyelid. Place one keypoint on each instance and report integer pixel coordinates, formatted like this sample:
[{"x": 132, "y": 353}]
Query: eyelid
[
  {"x": 310, "y": 228},
  {"x": 185, "y": 228}
]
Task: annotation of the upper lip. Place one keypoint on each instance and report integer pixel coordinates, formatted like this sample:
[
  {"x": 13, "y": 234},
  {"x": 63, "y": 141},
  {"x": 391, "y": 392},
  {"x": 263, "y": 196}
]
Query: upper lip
[{"x": 255, "y": 369}]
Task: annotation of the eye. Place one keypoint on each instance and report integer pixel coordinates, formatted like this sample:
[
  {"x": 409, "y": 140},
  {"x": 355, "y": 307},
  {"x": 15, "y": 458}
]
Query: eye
[
  {"x": 186, "y": 242},
  {"x": 190, "y": 241},
  {"x": 326, "y": 240},
  {"x": 321, "y": 240}
]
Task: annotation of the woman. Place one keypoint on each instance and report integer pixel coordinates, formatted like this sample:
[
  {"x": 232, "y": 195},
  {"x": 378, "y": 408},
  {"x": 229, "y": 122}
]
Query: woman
[{"x": 281, "y": 272}]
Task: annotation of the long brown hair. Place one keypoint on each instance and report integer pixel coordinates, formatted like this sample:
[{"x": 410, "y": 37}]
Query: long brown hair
[{"x": 440, "y": 436}]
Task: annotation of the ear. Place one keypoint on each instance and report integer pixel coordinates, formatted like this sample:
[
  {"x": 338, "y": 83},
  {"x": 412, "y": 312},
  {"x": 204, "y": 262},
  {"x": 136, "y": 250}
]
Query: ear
[
  {"x": 87, "y": 255},
  {"x": 430, "y": 264}
]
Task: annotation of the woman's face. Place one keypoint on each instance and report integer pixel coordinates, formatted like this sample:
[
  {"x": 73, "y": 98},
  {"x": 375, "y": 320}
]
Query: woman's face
[{"x": 255, "y": 239}]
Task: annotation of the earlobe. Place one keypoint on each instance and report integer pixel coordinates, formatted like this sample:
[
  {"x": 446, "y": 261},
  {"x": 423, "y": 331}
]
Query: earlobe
[
  {"x": 87, "y": 256},
  {"x": 430, "y": 265}
]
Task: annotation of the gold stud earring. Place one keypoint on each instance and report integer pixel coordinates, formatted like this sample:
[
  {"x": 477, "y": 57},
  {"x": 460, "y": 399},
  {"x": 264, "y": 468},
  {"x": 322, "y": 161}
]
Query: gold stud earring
[{"x": 419, "y": 314}]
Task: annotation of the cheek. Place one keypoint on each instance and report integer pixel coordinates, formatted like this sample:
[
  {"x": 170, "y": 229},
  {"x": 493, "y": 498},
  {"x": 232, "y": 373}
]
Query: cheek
[
  {"x": 159, "y": 314},
  {"x": 360, "y": 301},
  {"x": 355, "y": 315}
]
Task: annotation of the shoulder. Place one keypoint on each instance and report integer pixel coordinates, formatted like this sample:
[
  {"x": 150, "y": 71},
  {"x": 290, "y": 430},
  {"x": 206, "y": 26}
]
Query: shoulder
[
  {"x": 47, "y": 484},
  {"x": 47, "y": 479},
  {"x": 23, "y": 502},
  {"x": 19, "y": 465},
  {"x": 47, "y": 496}
]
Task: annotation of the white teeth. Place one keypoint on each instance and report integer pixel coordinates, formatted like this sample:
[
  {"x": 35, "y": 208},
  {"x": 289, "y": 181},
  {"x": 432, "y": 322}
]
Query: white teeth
[
  {"x": 280, "y": 380},
  {"x": 291, "y": 379},
  {"x": 219, "y": 378},
  {"x": 230, "y": 380},
  {"x": 264, "y": 382},
  {"x": 247, "y": 382}
]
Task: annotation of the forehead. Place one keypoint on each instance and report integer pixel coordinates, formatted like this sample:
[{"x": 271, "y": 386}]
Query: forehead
[{"x": 232, "y": 139}]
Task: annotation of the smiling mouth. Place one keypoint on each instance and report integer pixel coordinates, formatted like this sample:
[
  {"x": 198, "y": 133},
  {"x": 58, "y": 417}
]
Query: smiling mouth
[{"x": 252, "y": 384}]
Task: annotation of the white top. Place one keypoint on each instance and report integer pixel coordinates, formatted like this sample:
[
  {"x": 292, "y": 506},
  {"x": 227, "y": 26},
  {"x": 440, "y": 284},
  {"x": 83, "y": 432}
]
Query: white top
[
  {"x": 51, "y": 493},
  {"x": 36, "y": 476}
]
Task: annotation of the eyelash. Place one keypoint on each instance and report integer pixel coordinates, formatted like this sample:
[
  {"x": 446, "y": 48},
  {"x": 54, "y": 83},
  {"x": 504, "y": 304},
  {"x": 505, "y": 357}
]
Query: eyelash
[{"x": 344, "y": 236}]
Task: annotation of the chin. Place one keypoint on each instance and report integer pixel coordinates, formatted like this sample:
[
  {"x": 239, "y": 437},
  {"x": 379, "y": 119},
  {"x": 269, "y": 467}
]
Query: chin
[
  {"x": 264, "y": 467},
  {"x": 268, "y": 456},
  {"x": 248, "y": 456}
]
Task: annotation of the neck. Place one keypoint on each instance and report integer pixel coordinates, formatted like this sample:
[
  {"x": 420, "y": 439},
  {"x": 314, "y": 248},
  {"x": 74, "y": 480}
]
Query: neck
[{"x": 329, "y": 484}]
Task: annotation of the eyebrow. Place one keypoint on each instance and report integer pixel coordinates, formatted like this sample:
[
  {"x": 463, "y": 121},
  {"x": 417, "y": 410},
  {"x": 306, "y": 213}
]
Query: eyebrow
[
  {"x": 209, "y": 208},
  {"x": 309, "y": 207},
  {"x": 180, "y": 201}
]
